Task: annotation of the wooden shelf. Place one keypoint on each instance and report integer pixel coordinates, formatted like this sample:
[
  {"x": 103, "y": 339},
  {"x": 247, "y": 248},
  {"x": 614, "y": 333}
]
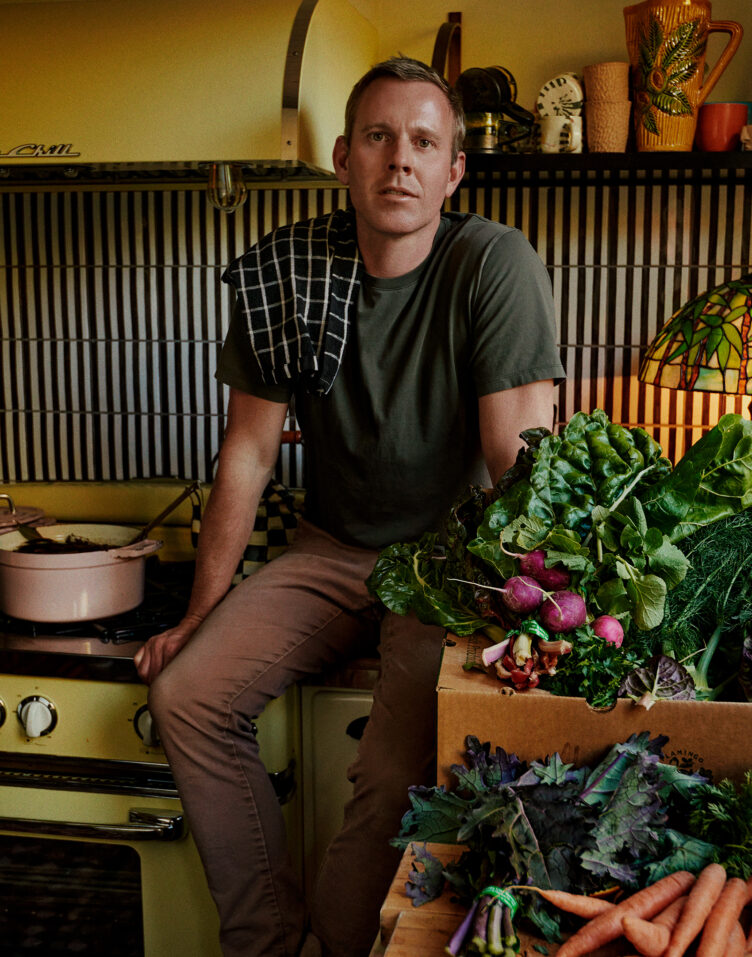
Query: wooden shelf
[
  {"x": 499, "y": 159},
  {"x": 483, "y": 166}
]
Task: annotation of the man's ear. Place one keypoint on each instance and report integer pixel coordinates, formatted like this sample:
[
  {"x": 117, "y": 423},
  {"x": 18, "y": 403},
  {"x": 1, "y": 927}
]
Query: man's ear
[
  {"x": 340, "y": 156},
  {"x": 456, "y": 172}
]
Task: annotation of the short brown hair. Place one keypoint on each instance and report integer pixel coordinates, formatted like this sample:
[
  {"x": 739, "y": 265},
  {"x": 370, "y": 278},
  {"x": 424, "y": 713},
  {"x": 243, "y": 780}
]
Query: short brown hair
[{"x": 404, "y": 68}]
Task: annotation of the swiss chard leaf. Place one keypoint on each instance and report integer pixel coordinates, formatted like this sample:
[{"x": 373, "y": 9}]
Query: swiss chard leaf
[
  {"x": 407, "y": 577},
  {"x": 712, "y": 480},
  {"x": 590, "y": 462}
]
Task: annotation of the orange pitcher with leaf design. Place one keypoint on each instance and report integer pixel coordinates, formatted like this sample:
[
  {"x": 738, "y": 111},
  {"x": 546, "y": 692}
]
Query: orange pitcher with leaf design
[{"x": 666, "y": 41}]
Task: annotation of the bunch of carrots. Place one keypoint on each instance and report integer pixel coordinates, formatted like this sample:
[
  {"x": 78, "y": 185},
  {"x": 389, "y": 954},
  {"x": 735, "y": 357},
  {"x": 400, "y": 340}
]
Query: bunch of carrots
[{"x": 678, "y": 914}]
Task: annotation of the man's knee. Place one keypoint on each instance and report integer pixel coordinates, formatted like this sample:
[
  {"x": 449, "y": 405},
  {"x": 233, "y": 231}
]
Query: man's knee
[{"x": 167, "y": 694}]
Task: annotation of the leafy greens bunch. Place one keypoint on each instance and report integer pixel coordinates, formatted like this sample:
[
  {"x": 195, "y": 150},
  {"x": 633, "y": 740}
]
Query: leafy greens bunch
[
  {"x": 602, "y": 502},
  {"x": 709, "y": 613},
  {"x": 624, "y": 822}
]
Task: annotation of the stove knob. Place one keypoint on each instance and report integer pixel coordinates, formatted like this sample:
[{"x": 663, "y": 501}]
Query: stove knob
[
  {"x": 37, "y": 715},
  {"x": 145, "y": 727}
]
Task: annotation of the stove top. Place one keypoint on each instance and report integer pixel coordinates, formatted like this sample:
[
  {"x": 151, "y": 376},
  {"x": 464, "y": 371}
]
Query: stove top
[{"x": 102, "y": 649}]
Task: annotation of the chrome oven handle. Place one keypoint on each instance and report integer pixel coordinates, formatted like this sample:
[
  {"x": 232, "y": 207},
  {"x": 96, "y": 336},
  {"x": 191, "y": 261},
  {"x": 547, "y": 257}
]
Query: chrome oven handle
[{"x": 145, "y": 824}]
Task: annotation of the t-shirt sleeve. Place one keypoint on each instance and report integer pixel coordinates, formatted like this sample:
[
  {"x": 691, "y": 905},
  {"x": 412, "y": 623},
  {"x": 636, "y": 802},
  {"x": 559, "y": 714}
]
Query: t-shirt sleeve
[
  {"x": 238, "y": 368},
  {"x": 513, "y": 321}
]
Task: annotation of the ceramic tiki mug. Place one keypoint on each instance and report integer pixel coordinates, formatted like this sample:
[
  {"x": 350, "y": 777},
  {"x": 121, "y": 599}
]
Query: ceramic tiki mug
[{"x": 666, "y": 41}]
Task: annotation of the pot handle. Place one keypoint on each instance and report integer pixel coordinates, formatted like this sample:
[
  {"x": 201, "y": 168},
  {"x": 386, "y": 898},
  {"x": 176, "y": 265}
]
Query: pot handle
[
  {"x": 11, "y": 507},
  {"x": 735, "y": 31},
  {"x": 136, "y": 549}
]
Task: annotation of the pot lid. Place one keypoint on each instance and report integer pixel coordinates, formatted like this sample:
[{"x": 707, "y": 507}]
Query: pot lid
[{"x": 11, "y": 516}]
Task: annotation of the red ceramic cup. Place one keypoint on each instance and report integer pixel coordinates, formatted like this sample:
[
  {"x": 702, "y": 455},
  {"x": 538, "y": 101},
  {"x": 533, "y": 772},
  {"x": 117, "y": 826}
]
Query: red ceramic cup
[{"x": 719, "y": 126}]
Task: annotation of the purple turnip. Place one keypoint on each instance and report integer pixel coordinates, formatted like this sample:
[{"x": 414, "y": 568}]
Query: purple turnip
[
  {"x": 563, "y": 611},
  {"x": 534, "y": 565},
  {"x": 610, "y": 629},
  {"x": 522, "y": 594}
]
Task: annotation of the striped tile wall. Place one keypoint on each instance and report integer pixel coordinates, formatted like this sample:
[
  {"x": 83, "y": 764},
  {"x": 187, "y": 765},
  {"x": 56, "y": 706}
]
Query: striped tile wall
[
  {"x": 112, "y": 310},
  {"x": 111, "y": 315},
  {"x": 624, "y": 250}
]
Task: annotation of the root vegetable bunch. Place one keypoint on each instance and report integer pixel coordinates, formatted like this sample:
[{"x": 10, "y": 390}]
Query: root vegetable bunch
[
  {"x": 525, "y": 654},
  {"x": 676, "y": 915}
]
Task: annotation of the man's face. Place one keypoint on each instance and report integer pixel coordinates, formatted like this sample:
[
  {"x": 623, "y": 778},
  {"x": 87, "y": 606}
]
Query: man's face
[{"x": 398, "y": 166}]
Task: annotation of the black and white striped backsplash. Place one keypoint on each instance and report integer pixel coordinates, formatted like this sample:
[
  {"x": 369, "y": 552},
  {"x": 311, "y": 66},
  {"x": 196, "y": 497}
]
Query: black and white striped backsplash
[{"x": 112, "y": 309}]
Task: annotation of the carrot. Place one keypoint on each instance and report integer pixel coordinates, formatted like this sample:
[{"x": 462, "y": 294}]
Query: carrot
[
  {"x": 649, "y": 938},
  {"x": 669, "y": 917},
  {"x": 705, "y": 892},
  {"x": 721, "y": 919},
  {"x": 579, "y": 904},
  {"x": 645, "y": 903},
  {"x": 736, "y": 943}
]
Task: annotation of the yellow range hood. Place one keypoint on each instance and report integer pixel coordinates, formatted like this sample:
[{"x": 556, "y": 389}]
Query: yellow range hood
[{"x": 88, "y": 86}]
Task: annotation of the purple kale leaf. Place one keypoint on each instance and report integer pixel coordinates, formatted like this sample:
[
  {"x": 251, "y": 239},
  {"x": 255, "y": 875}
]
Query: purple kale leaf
[
  {"x": 483, "y": 770},
  {"x": 425, "y": 880},
  {"x": 551, "y": 771},
  {"x": 607, "y": 776},
  {"x": 745, "y": 669},
  {"x": 631, "y": 827},
  {"x": 660, "y": 678},
  {"x": 435, "y": 815}
]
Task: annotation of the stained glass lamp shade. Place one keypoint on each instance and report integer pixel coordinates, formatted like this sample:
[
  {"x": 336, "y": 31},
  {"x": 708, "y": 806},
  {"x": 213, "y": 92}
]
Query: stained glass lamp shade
[{"x": 705, "y": 345}]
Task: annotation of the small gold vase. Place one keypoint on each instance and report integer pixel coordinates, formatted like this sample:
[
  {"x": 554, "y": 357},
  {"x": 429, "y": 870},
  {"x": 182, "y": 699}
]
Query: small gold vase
[{"x": 666, "y": 41}]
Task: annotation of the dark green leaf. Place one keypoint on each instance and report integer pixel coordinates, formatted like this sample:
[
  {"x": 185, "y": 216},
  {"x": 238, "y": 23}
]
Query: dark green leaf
[
  {"x": 648, "y": 596},
  {"x": 406, "y": 577},
  {"x": 712, "y": 480},
  {"x": 435, "y": 816},
  {"x": 683, "y": 853}
]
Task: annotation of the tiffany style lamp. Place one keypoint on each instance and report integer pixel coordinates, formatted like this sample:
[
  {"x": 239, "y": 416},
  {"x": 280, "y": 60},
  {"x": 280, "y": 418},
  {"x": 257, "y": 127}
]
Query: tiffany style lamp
[{"x": 705, "y": 345}]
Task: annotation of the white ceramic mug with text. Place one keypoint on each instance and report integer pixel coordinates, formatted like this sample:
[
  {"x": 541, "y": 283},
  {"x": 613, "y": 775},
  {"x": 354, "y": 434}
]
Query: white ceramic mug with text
[{"x": 560, "y": 134}]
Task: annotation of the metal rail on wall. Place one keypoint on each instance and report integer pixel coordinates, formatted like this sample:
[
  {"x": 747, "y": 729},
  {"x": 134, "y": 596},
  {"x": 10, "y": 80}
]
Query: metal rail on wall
[{"x": 447, "y": 49}]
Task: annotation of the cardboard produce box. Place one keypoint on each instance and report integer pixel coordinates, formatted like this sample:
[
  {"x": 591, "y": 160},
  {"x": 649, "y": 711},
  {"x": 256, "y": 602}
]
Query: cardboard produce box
[{"x": 713, "y": 737}]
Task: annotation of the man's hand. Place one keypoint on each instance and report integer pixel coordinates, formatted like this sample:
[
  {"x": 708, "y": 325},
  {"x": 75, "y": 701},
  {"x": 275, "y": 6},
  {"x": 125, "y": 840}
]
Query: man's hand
[{"x": 160, "y": 649}]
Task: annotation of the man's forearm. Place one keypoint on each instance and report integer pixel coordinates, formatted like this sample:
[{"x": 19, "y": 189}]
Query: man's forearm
[{"x": 226, "y": 526}]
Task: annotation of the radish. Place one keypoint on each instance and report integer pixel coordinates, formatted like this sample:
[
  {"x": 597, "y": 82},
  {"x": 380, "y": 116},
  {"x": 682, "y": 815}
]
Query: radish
[
  {"x": 563, "y": 611},
  {"x": 522, "y": 594},
  {"x": 610, "y": 629},
  {"x": 534, "y": 564}
]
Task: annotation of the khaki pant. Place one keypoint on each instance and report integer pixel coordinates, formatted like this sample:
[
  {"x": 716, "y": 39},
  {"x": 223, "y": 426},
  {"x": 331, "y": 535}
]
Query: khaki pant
[{"x": 304, "y": 611}]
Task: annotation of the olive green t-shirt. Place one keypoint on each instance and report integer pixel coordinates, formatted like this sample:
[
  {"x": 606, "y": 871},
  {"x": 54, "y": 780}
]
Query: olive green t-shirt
[{"x": 395, "y": 441}]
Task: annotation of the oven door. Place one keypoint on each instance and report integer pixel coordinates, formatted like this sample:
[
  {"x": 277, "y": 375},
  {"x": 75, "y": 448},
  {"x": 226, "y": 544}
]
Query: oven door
[{"x": 100, "y": 873}]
